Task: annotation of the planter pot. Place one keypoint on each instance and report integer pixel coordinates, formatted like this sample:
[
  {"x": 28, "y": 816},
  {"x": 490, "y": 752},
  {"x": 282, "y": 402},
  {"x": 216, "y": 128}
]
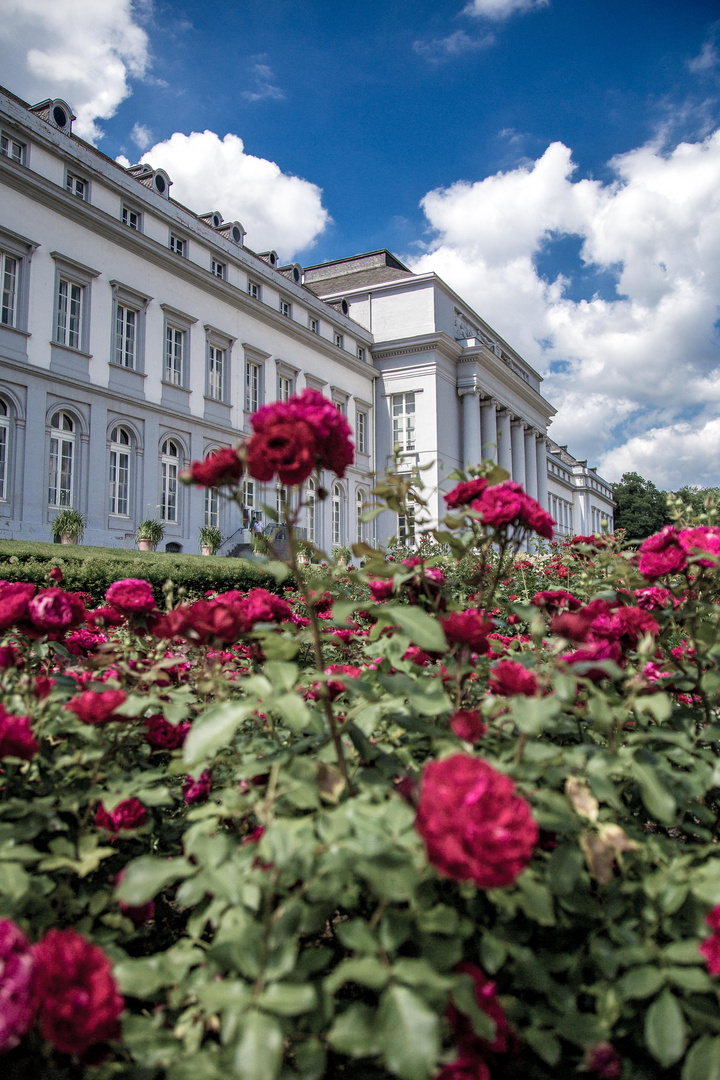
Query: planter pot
[
  {"x": 342, "y": 563},
  {"x": 66, "y": 538},
  {"x": 303, "y": 560},
  {"x": 205, "y": 549},
  {"x": 145, "y": 545}
]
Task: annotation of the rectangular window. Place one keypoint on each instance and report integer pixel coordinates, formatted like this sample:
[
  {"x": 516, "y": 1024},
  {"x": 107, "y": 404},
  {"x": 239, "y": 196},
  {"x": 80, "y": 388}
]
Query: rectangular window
[
  {"x": 339, "y": 340},
  {"x": 360, "y": 353},
  {"x": 3, "y": 459},
  {"x": 403, "y": 418},
  {"x": 254, "y": 289},
  {"x": 212, "y": 508},
  {"x": 406, "y": 527},
  {"x": 76, "y": 185},
  {"x": 119, "y": 482},
  {"x": 9, "y": 271},
  {"x": 216, "y": 364},
  {"x": 174, "y": 356},
  {"x": 361, "y": 431},
  {"x": 219, "y": 269},
  {"x": 11, "y": 148},
  {"x": 131, "y": 218},
  {"x": 178, "y": 245},
  {"x": 314, "y": 326},
  {"x": 286, "y": 308},
  {"x": 341, "y": 405},
  {"x": 248, "y": 499},
  {"x": 281, "y": 503},
  {"x": 310, "y": 515},
  {"x": 284, "y": 387},
  {"x": 68, "y": 326},
  {"x": 252, "y": 386},
  {"x": 126, "y": 325}
]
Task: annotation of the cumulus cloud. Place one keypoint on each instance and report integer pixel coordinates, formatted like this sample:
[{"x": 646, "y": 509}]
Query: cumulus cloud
[
  {"x": 265, "y": 85},
  {"x": 84, "y": 51},
  {"x": 453, "y": 45},
  {"x": 278, "y": 210},
  {"x": 623, "y": 367},
  {"x": 141, "y": 136},
  {"x": 502, "y": 9}
]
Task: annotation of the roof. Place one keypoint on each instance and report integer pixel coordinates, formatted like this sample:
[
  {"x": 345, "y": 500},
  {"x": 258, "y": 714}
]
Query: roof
[{"x": 355, "y": 272}]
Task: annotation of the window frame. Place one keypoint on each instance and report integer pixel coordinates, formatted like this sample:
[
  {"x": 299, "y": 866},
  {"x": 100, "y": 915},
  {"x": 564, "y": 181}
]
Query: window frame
[
  {"x": 71, "y": 180},
  {"x": 253, "y": 358},
  {"x": 338, "y": 339},
  {"x": 55, "y": 473},
  {"x": 311, "y": 510},
  {"x": 215, "y": 266},
  {"x": 313, "y": 324},
  {"x": 336, "y": 514},
  {"x": 361, "y": 353},
  {"x": 285, "y": 373},
  {"x": 407, "y": 445},
  {"x": 361, "y": 430},
  {"x": 286, "y": 308},
  {"x": 20, "y": 250},
  {"x": 169, "y": 480},
  {"x": 10, "y": 139},
  {"x": 6, "y": 436},
  {"x": 218, "y": 341},
  {"x": 119, "y": 450},
  {"x": 131, "y": 300},
  {"x": 179, "y": 322},
  {"x": 178, "y": 245},
  {"x": 254, "y": 289},
  {"x": 74, "y": 274}
]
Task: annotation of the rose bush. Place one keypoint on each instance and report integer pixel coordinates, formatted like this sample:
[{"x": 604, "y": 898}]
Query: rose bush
[{"x": 453, "y": 814}]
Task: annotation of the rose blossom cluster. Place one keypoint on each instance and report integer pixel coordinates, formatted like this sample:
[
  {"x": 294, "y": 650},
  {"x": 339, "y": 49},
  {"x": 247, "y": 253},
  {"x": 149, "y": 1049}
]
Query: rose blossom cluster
[
  {"x": 474, "y": 825},
  {"x": 51, "y": 611},
  {"x": 501, "y": 505},
  {"x": 607, "y": 630},
  {"x": 223, "y": 619},
  {"x": 667, "y": 551},
  {"x": 64, "y": 984},
  {"x": 293, "y": 438},
  {"x": 16, "y": 736}
]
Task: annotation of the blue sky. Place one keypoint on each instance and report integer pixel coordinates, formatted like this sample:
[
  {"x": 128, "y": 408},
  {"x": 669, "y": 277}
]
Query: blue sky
[{"x": 556, "y": 162}]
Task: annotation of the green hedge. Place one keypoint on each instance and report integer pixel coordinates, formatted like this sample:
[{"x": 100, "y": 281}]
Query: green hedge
[{"x": 93, "y": 569}]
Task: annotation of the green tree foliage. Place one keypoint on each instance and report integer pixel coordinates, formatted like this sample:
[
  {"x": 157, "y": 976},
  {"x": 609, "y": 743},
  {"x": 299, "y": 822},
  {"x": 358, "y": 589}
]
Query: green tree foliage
[{"x": 641, "y": 508}]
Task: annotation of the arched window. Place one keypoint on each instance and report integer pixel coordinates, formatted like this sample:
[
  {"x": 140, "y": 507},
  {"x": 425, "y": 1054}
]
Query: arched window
[
  {"x": 281, "y": 503},
  {"x": 62, "y": 459},
  {"x": 4, "y": 449},
  {"x": 361, "y": 526},
  {"x": 336, "y": 510},
  {"x": 406, "y": 527},
  {"x": 311, "y": 510},
  {"x": 211, "y": 515},
  {"x": 119, "y": 474},
  {"x": 170, "y": 465}
]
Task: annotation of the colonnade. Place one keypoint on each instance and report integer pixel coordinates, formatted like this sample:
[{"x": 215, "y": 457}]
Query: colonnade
[{"x": 491, "y": 430}]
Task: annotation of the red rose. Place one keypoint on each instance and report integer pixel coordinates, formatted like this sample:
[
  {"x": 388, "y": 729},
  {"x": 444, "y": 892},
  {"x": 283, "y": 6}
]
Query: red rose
[
  {"x": 262, "y": 606},
  {"x": 536, "y": 517},
  {"x": 603, "y": 1060},
  {"x": 501, "y": 504},
  {"x": 16, "y": 737},
  {"x": 10, "y": 657},
  {"x": 79, "y": 1002},
  {"x": 509, "y": 678},
  {"x": 331, "y": 435},
  {"x": 593, "y": 653},
  {"x": 51, "y": 610},
  {"x": 468, "y": 628},
  {"x": 556, "y": 600},
  {"x": 14, "y": 597},
  {"x": 473, "y": 824},
  {"x": 197, "y": 790},
  {"x": 172, "y": 624},
  {"x": 128, "y": 814},
  {"x": 55, "y": 574},
  {"x": 464, "y": 493},
  {"x": 131, "y": 596},
  {"x": 710, "y": 947},
  {"x": 468, "y": 725},
  {"x": 218, "y": 469},
  {"x": 97, "y": 708},
  {"x": 662, "y": 554},
  {"x": 381, "y": 589},
  {"x": 705, "y": 538},
  {"x": 287, "y": 449},
  {"x": 162, "y": 735},
  {"x": 470, "y": 1044}
]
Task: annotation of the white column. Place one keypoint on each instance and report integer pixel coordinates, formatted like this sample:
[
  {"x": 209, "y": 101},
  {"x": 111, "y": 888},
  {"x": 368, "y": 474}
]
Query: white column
[
  {"x": 531, "y": 477},
  {"x": 472, "y": 438},
  {"x": 489, "y": 430},
  {"x": 542, "y": 477},
  {"x": 504, "y": 442},
  {"x": 517, "y": 438}
]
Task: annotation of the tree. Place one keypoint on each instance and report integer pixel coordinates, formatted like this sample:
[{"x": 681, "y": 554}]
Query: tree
[{"x": 641, "y": 508}]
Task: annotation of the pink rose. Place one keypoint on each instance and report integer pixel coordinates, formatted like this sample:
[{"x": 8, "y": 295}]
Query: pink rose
[
  {"x": 474, "y": 826},
  {"x": 16, "y": 737},
  {"x": 705, "y": 538},
  {"x": 710, "y": 947},
  {"x": 500, "y": 504},
  {"x": 128, "y": 814},
  {"x": 468, "y": 725},
  {"x": 131, "y": 596},
  {"x": 14, "y": 598},
  {"x": 93, "y": 707},
  {"x": 50, "y": 610},
  {"x": 18, "y": 1001}
]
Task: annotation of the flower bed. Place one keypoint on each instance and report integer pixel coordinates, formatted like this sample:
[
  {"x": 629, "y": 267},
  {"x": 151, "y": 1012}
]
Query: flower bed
[{"x": 453, "y": 814}]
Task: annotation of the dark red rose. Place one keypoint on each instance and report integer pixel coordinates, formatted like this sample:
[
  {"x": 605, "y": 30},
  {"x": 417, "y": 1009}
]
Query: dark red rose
[
  {"x": 662, "y": 554},
  {"x": 162, "y": 735},
  {"x": 93, "y": 707},
  {"x": 286, "y": 449},
  {"x": 556, "y": 600},
  {"x": 468, "y": 725},
  {"x": 218, "y": 469},
  {"x": 331, "y": 446},
  {"x": 172, "y": 624},
  {"x": 464, "y": 493},
  {"x": 577, "y": 625},
  {"x": 50, "y": 610},
  {"x": 509, "y": 678},
  {"x": 10, "y": 657},
  {"x": 468, "y": 1042},
  {"x": 197, "y": 790},
  {"x": 55, "y": 574},
  {"x": 602, "y": 1060},
  {"x": 105, "y": 616},
  {"x": 128, "y": 814},
  {"x": 469, "y": 628},
  {"x": 79, "y": 1002},
  {"x": 501, "y": 504},
  {"x": 710, "y": 947},
  {"x": 16, "y": 737},
  {"x": 131, "y": 596},
  {"x": 14, "y": 598},
  {"x": 475, "y": 827}
]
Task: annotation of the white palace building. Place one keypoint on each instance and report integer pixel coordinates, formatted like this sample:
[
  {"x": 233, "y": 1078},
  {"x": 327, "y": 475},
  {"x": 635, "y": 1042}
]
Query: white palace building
[{"x": 137, "y": 335}]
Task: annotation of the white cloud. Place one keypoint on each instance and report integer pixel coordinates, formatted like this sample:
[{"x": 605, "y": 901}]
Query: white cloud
[
  {"x": 279, "y": 211},
  {"x": 265, "y": 85},
  {"x": 84, "y": 51},
  {"x": 706, "y": 60},
  {"x": 141, "y": 136},
  {"x": 627, "y": 366},
  {"x": 453, "y": 45},
  {"x": 502, "y": 9}
]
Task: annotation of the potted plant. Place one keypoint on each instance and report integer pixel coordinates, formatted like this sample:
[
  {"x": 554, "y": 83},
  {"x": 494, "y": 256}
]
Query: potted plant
[
  {"x": 304, "y": 552},
  {"x": 69, "y": 526},
  {"x": 210, "y": 539},
  {"x": 149, "y": 534},
  {"x": 341, "y": 554}
]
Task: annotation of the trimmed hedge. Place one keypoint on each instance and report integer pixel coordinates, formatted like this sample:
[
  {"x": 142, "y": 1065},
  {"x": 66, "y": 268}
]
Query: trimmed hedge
[{"x": 93, "y": 569}]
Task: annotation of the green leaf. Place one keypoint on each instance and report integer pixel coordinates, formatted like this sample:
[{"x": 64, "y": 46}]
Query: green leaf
[
  {"x": 658, "y": 705},
  {"x": 297, "y": 715},
  {"x": 536, "y": 900},
  {"x": 282, "y": 675},
  {"x": 665, "y": 1030},
  {"x": 213, "y": 730},
  {"x": 364, "y": 970},
  {"x": 532, "y": 715},
  {"x": 658, "y": 800},
  {"x": 545, "y": 1044},
  {"x": 641, "y": 982},
  {"x": 706, "y": 882},
  {"x": 258, "y": 1054},
  {"x": 288, "y": 999},
  {"x": 564, "y": 868},
  {"x": 684, "y": 952},
  {"x": 424, "y": 630},
  {"x": 146, "y": 876},
  {"x": 703, "y": 1060},
  {"x": 355, "y": 1032},
  {"x": 694, "y": 979},
  {"x": 408, "y": 1032}
]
